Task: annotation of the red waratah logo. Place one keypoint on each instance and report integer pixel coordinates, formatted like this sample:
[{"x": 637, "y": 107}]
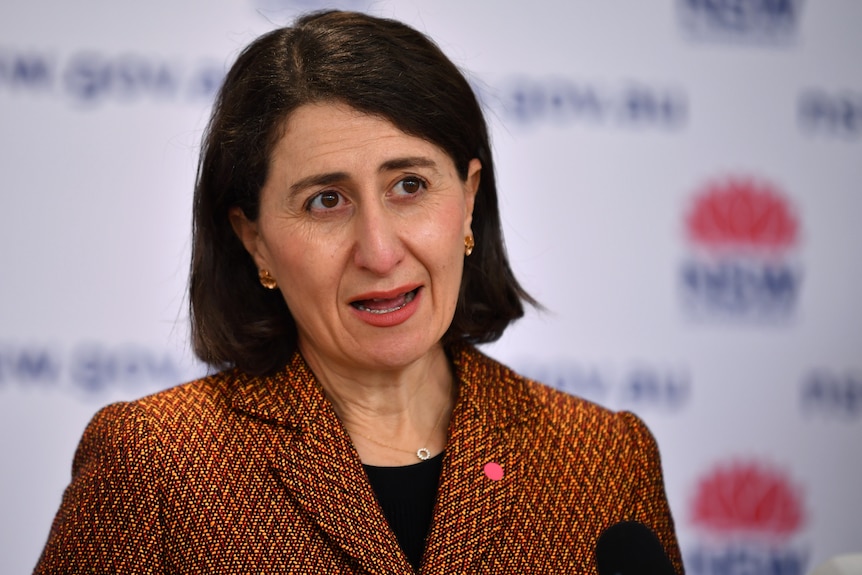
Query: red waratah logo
[
  {"x": 747, "y": 498},
  {"x": 742, "y": 213}
]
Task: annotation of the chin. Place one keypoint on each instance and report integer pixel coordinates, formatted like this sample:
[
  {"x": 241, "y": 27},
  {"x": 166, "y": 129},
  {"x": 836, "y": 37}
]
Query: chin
[{"x": 398, "y": 354}]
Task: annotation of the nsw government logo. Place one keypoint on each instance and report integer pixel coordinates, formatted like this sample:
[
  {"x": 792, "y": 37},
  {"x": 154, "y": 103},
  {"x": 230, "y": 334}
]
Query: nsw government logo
[
  {"x": 772, "y": 22},
  {"x": 742, "y": 234},
  {"x": 748, "y": 517}
]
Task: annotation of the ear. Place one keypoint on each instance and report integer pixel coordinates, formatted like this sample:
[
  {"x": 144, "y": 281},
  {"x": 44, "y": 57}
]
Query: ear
[
  {"x": 248, "y": 233},
  {"x": 471, "y": 188}
]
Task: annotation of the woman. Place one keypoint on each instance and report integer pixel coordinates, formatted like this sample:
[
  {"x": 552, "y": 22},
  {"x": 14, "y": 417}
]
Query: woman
[{"x": 347, "y": 255}]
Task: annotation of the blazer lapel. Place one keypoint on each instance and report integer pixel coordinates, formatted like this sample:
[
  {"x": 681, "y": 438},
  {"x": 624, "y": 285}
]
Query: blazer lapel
[
  {"x": 320, "y": 468},
  {"x": 473, "y": 501}
]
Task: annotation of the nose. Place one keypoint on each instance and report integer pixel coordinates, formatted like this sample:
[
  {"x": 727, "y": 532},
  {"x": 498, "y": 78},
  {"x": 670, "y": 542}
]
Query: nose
[{"x": 378, "y": 243}]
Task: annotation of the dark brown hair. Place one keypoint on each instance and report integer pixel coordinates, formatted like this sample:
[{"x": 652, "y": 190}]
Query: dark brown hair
[{"x": 380, "y": 67}]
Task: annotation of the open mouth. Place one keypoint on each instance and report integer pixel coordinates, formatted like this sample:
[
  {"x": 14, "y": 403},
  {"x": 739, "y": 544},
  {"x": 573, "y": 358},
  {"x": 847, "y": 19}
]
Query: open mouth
[{"x": 385, "y": 305}]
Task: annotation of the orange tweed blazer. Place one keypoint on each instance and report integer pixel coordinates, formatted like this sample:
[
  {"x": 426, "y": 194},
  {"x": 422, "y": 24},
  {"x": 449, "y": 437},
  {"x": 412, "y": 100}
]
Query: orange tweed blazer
[{"x": 240, "y": 474}]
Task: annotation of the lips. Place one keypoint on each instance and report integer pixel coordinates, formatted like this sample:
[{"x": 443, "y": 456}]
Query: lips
[{"x": 384, "y": 305}]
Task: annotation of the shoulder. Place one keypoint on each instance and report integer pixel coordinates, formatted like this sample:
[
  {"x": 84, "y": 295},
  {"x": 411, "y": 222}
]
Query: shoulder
[
  {"x": 590, "y": 426},
  {"x": 574, "y": 413},
  {"x": 501, "y": 390},
  {"x": 494, "y": 382},
  {"x": 201, "y": 398},
  {"x": 187, "y": 411},
  {"x": 183, "y": 434}
]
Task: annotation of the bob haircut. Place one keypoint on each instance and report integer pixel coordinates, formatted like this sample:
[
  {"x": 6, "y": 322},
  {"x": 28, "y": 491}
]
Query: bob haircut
[{"x": 377, "y": 66}]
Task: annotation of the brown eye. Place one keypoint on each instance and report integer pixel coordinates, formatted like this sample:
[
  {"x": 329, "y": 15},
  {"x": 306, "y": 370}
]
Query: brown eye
[
  {"x": 329, "y": 199},
  {"x": 410, "y": 186},
  {"x": 324, "y": 201}
]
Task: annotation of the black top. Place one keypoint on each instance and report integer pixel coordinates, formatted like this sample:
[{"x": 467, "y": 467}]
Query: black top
[{"x": 406, "y": 495}]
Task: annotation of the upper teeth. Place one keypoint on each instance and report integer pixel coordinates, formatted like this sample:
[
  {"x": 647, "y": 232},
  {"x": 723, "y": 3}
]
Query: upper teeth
[
  {"x": 408, "y": 297},
  {"x": 379, "y": 311}
]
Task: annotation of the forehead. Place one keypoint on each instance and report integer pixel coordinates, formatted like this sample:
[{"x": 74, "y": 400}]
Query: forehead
[{"x": 317, "y": 135}]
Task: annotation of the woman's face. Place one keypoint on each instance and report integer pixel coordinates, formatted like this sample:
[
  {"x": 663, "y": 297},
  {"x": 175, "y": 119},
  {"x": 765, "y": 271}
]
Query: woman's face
[{"x": 363, "y": 228}]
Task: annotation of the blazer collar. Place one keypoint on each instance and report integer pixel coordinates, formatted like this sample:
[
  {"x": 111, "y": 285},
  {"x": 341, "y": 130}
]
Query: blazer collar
[
  {"x": 320, "y": 468},
  {"x": 491, "y": 392},
  {"x": 291, "y": 397}
]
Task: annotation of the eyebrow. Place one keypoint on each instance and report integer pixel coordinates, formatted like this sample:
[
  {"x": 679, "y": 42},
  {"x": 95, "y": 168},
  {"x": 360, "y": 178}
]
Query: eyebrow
[
  {"x": 409, "y": 162},
  {"x": 387, "y": 166},
  {"x": 317, "y": 180}
]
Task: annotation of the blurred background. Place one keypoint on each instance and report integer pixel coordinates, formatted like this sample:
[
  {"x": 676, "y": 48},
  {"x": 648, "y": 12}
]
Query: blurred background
[{"x": 681, "y": 186}]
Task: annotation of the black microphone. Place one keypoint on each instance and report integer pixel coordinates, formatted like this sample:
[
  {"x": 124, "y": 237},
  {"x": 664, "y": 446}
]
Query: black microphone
[{"x": 631, "y": 548}]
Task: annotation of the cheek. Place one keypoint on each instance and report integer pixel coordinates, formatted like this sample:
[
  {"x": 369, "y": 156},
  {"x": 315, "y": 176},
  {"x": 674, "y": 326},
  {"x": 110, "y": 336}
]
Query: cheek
[
  {"x": 441, "y": 240},
  {"x": 294, "y": 265},
  {"x": 439, "y": 244},
  {"x": 295, "y": 249},
  {"x": 445, "y": 222}
]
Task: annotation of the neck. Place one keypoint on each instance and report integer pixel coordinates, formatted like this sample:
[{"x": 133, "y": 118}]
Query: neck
[{"x": 391, "y": 413}]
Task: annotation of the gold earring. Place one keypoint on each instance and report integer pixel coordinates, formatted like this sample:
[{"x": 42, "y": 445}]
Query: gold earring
[
  {"x": 469, "y": 244},
  {"x": 266, "y": 280}
]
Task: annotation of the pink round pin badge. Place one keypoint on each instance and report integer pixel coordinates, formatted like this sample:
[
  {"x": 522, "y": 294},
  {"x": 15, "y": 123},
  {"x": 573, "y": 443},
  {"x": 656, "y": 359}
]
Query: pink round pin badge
[{"x": 493, "y": 471}]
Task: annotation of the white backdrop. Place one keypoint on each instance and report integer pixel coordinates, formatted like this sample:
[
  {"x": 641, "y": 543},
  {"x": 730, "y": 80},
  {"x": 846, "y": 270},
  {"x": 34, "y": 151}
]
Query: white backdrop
[{"x": 681, "y": 185}]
